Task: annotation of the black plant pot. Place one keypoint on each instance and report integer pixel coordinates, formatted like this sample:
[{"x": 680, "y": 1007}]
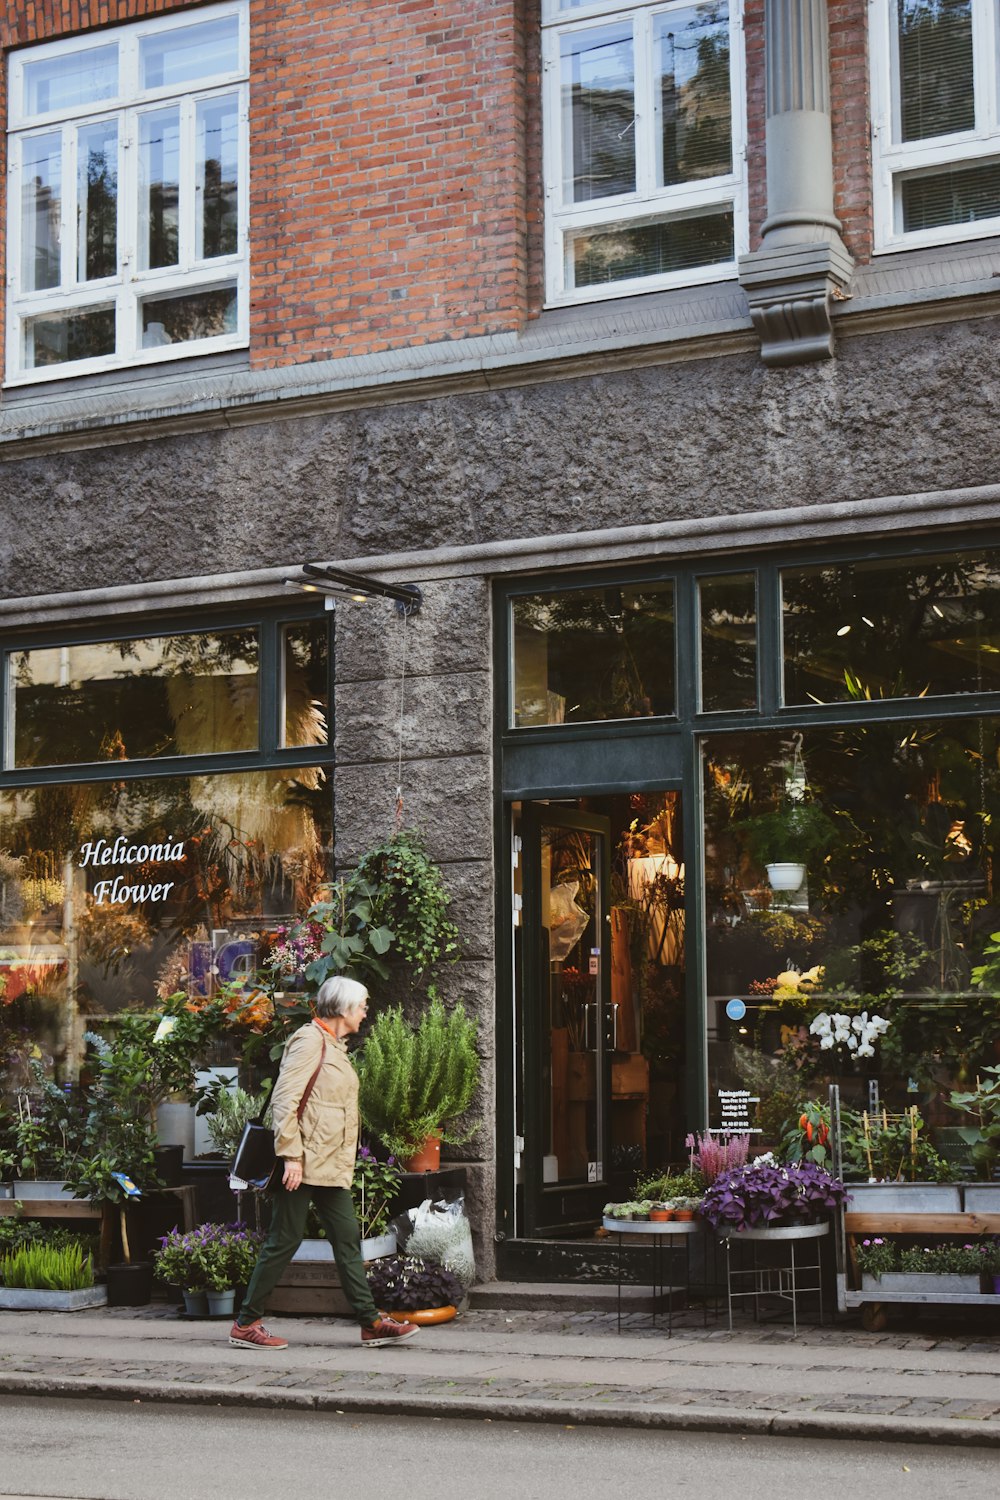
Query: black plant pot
[
  {"x": 169, "y": 1164},
  {"x": 130, "y": 1285}
]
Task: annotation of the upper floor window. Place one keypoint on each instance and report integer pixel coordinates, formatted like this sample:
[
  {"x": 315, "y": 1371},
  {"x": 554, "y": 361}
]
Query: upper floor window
[
  {"x": 645, "y": 171},
  {"x": 127, "y": 195},
  {"x": 936, "y": 121}
]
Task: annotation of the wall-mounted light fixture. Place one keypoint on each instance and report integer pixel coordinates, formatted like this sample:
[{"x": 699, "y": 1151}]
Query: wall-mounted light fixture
[{"x": 339, "y": 583}]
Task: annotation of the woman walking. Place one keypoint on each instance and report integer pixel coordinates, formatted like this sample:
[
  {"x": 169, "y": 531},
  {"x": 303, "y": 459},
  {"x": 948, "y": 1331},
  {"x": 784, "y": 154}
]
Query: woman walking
[{"x": 315, "y": 1115}]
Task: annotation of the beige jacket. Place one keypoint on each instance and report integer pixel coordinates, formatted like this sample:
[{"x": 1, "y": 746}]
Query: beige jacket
[{"x": 326, "y": 1142}]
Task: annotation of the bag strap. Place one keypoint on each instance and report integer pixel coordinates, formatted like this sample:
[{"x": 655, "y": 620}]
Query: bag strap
[{"x": 310, "y": 1085}]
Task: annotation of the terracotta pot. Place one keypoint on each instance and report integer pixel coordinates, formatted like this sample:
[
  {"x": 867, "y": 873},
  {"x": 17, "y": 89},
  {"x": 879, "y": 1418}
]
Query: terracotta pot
[
  {"x": 427, "y": 1315},
  {"x": 683, "y": 1214},
  {"x": 660, "y": 1215},
  {"x": 428, "y": 1158}
]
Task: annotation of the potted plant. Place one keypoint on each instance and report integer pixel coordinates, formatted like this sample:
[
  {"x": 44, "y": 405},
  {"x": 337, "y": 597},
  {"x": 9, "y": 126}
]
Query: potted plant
[
  {"x": 116, "y": 1160},
  {"x": 374, "y": 1186},
  {"x": 786, "y": 839},
  {"x": 415, "y": 1080},
  {"x": 949, "y": 1270},
  {"x": 208, "y": 1264},
  {"x": 40, "y": 1277},
  {"x": 765, "y": 1195},
  {"x": 425, "y": 1291},
  {"x": 44, "y": 1136},
  {"x": 983, "y": 1103}
]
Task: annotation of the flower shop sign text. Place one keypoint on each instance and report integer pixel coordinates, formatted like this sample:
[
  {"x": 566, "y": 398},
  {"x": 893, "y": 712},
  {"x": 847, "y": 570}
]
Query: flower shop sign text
[{"x": 115, "y": 888}]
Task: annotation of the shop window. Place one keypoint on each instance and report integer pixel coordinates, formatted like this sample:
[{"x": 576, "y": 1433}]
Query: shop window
[
  {"x": 306, "y": 667},
  {"x": 906, "y": 628},
  {"x": 191, "y": 694},
  {"x": 935, "y": 120},
  {"x": 582, "y": 655},
  {"x": 117, "y": 893},
  {"x": 128, "y": 194},
  {"x": 645, "y": 170},
  {"x": 728, "y": 621},
  {"x": 850, "y": 898}
]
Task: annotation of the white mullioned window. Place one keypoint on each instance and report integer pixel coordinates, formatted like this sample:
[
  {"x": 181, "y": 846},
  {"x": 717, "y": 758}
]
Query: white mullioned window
[
  {"x": 127, "y": 195},
  {"x": 644, "y": 136},
  {"x": 935, "y": 121}
]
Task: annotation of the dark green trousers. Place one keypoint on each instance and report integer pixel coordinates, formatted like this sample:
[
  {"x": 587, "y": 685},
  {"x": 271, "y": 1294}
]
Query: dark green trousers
[{"x": 335, "y": 1208}]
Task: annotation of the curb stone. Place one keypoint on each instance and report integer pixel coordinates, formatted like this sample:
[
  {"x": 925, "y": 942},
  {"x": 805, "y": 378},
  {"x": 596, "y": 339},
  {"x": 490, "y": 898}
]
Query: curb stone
[{"x": 970, "y": 1433}]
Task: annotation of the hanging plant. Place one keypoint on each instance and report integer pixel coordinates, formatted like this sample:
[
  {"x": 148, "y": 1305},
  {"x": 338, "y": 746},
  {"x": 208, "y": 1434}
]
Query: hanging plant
[{"x": 411, "y": 899}]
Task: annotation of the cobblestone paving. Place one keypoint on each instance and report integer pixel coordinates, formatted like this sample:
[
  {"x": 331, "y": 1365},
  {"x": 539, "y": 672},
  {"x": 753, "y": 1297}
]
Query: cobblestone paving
[{"x": 827, "y": 1382}]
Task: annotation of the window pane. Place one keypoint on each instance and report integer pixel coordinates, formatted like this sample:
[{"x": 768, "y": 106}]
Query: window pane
[
  {"x": 187, "y": 53},
  {"x": 935, "y": 67},
  {"x": 892, "y": 629},
  {"x": 76, "y": 78},
  {"x": 623, "y": 252},
  {"x": 307, "y": 695},
  {"x": 692, "y": 62},
  {"x": 191, "y": 694},
  {"x": 218, "y": 177},
  {"x": 728, "y": 642},
  {"x": 598, "y": 111},
  {"x": 177, "y": 320},
  {"x": 589, "y": 654},
  {"x": 41, "y": 210},
  {"x": 58, "y": 338},
  {"x": 159, "y": 187},
  {"x": 960, "y": 195},
  {"x": 97, "y": 201},
  {"x": 892, "y": 919},
  {"x": 120, "y": 895}
]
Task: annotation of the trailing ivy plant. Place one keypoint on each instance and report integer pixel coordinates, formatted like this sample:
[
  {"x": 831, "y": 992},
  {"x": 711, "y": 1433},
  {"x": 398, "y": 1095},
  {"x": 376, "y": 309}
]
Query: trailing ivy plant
[{"x": 410, "y": 897}]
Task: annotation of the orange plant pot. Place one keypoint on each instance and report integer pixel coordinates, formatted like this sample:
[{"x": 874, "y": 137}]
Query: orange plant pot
[
  {"x": 684, "y": 1214},
  {"x": 426, "y": 1316},
  {"x": 660, "y": 1215},
  {"x": 428, "y": 1158}
]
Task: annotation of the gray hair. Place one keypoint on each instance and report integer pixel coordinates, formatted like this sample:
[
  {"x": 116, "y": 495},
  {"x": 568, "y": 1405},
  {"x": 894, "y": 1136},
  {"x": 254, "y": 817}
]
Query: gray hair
[{"x": 339, "y": 995}]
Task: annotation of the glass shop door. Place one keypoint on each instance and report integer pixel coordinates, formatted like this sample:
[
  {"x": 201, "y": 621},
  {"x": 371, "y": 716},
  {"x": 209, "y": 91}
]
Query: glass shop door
[{"x": 568, "y": 1021}]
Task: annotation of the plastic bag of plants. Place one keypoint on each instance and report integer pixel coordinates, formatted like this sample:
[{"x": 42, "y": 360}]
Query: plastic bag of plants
[{"x": 440, "y": 1232}]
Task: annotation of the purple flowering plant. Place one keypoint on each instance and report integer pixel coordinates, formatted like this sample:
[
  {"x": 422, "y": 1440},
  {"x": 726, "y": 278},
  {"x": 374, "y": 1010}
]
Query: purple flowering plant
[
  {"x": 374, "y": 1187},
  {"x": 766, "y": 1193},
  {"x": 402, "y": 1283},
  {"x": 213, "y": 1257}
]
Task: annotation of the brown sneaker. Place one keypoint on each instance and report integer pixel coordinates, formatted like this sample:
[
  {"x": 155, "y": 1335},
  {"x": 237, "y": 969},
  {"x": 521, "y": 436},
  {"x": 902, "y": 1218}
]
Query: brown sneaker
[
  {"x": 387, "y": 1331},
  {"x": 255, "y": 1336}
]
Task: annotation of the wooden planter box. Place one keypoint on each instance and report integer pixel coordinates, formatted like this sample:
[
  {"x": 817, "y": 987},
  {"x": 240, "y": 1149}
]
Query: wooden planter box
[{"x": 311, "y": 1288}]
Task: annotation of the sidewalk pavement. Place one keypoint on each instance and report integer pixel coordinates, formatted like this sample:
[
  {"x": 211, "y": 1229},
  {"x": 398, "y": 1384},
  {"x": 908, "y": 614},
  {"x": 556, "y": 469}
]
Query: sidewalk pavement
[{"x": 936, "y": 1378}]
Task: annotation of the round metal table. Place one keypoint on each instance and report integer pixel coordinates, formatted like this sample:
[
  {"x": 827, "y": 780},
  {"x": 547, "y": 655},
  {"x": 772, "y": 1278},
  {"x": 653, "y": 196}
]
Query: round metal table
[
  {"x": 782, "y": 1281},
  {"x": 667, "y": 1235}
]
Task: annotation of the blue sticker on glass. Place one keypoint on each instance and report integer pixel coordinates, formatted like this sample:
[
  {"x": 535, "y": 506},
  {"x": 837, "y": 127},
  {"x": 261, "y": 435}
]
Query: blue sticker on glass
[{"x": 735, "y": 1009}]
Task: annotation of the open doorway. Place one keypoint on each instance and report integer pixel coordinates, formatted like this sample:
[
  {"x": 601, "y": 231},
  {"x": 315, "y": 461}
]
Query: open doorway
[{"x": 599, "y": 1002}]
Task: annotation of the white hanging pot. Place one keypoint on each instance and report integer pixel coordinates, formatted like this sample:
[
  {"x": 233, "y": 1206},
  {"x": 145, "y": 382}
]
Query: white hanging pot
[{"x": 786, "y": 876}]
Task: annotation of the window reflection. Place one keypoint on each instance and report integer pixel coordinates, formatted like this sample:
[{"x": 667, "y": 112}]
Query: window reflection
[
  {"x": 307, "y": 690},
  {"x": 113, "y": 893},
  {"x": 193, "y": 694},
  {"x": 588, "y": 654},
  {"x": 905, "y": 628},
  {"x": 891, "y": 832},
  {"x": 728, "y": 608}
]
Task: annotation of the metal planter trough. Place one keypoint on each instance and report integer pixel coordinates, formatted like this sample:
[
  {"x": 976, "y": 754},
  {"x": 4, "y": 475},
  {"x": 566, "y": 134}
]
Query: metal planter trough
[
  {"x": 922, "y": 1285},
  {"x": 32, "y": 1299},
  {"x": 982, "y": 1198},
  {"x": 904, "y": 1198}
]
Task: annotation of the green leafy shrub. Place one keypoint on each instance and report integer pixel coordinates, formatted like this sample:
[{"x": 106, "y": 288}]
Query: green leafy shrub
[
  {"x": 670, "y": 1185},
  {"x": 415, "y": 1079},
  {"x": 411, "y": 899}
]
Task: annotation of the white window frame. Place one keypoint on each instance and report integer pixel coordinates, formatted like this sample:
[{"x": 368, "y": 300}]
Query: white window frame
[
  {"x": 892, "y": 158},
  {"x": 649, "y": 201},
  {"x": 129, "y": 287}
]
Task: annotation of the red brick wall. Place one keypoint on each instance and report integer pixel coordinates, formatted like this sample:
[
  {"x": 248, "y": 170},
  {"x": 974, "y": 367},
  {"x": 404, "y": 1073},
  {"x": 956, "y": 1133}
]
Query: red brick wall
[
  {"x": 396, "y": 171},
  {"x": 387, "y": 166}
]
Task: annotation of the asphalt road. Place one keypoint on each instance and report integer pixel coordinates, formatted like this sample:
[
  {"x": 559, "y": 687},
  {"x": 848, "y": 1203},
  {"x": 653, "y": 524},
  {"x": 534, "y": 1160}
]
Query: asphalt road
[{"x": 102, "y": 1450}]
